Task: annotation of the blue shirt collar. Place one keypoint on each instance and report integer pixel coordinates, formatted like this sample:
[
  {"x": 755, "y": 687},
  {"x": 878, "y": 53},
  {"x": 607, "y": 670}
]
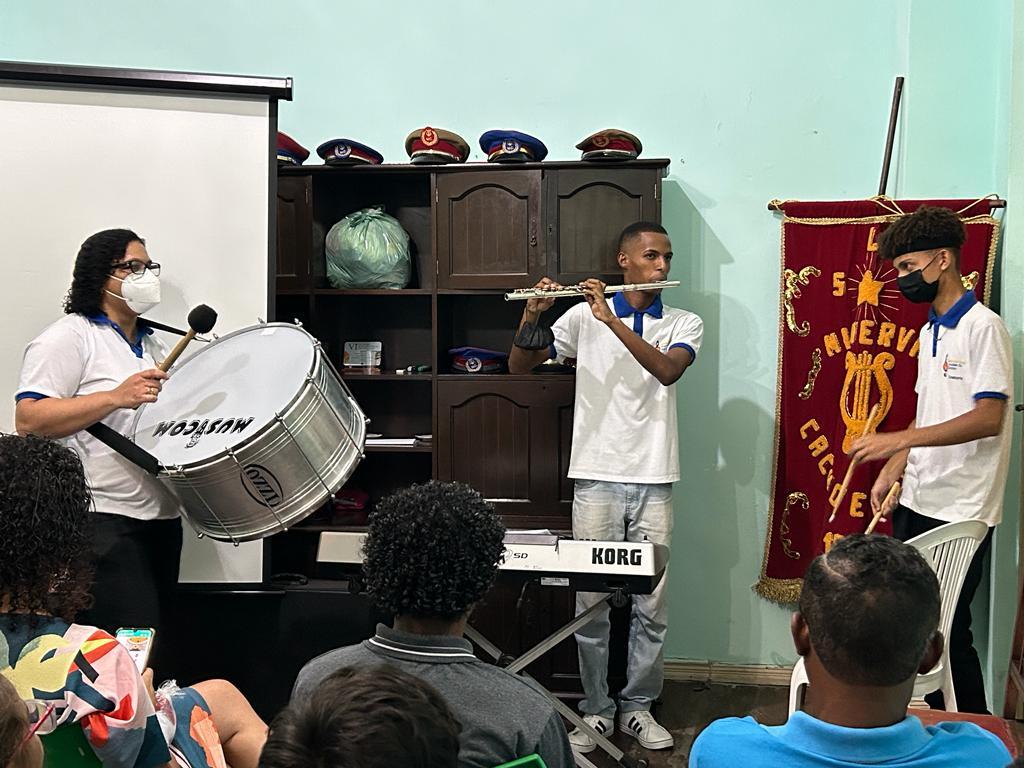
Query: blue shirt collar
[
  {"x": 624, "y": 309},
  {"x": 100, "y": 318},
  {"x": 951, "y": 316},
  {"x": 856, "y": 745}
]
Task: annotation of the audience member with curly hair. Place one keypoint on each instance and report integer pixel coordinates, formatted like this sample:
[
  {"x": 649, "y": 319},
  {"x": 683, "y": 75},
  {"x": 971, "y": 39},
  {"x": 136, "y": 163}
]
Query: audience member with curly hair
[
  {"x": 431, "y": 554},
  {"x": 19, "y": 745},
  {"x": 92, "y": 681},
  {"x": 371, "y": 718}
]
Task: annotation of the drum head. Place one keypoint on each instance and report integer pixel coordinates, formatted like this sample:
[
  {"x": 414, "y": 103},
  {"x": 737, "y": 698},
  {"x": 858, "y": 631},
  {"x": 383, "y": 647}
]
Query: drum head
[{"x": 225, "y": 393}]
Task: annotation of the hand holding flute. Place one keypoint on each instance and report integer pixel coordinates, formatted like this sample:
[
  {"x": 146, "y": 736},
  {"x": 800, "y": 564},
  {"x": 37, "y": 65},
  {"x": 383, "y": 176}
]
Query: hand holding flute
[{"x": 537, "y": 302}]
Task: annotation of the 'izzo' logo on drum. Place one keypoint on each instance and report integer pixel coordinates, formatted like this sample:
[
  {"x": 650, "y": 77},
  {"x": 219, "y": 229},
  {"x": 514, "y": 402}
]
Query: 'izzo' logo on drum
[
  {"x": 197, "y": 428},
  {"x": 260, "y": 483}
]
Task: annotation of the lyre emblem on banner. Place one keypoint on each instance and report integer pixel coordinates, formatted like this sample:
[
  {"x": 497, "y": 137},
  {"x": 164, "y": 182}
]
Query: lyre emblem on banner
[{"x": 866, "y": 384}]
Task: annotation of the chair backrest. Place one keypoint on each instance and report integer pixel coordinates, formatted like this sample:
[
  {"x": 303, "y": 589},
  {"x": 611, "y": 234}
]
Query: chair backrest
[
  {"x": 949, "y": 549},
  {"x": 530, "y": 761},
  {"x": 67, "y": 747}
]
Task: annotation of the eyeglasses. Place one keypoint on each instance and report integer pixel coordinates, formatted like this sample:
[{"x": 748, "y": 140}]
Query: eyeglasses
[
  {"x": 42, "y": 718},
  {"x": 139, "y": 267}
]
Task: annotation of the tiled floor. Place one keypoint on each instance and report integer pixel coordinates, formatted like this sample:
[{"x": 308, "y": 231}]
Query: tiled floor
[{"x": 687, "y": 708}]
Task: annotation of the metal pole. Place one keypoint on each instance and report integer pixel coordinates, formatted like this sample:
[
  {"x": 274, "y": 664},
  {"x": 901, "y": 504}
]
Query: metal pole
[{"x": 890, "y": 138}]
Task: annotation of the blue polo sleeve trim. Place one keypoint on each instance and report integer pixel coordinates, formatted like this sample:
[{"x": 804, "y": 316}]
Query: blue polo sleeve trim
[
  {"x": 990, "y": 396},
  {"x": 551, "y": 353},
  {"x": 687, "y": 347},
  {"x": 29, "y": 396}
]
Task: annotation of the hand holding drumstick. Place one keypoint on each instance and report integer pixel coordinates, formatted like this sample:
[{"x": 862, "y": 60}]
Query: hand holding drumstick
[
  {"x": 890, "y": 501},
  {"x": 868, "y": 426}
]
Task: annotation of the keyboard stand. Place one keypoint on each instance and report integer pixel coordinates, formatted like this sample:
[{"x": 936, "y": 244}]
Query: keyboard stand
[{"x": 517, "y": 666}]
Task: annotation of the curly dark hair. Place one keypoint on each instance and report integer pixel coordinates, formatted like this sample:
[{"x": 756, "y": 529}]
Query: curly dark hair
[
  {"x": 432, "y": 550},
  {"x": 92, "y": 268},
  {"x": 871, "y": 605},
  {"x": 45, "y": 528},
  {"x": 371, "y": 718},
  {"x": 928, "y": 228}
]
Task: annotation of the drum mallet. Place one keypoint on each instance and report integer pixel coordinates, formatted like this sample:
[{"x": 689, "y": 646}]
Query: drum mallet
[
  {"x": 200, "y": 320},
  {"x": 868, "y": 425},
  {"x": 894, "y": 491}
]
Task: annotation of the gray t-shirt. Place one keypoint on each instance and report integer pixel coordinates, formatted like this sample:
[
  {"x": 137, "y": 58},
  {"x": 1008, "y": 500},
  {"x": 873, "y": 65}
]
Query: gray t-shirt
[{"x": 503, "y": 716}]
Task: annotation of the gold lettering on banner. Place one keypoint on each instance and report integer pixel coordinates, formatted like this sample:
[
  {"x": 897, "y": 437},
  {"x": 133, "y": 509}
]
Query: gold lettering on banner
[
  {"x": 970, "y": 280},
  {"x": 866, "y": 381},
  {"x": 832, "y": 538},
  {"x": 857, "y": 504},
  {"x": 792, "y": 291},
  {"x": 784, "y": 540},
  {"x": 812, "y": 375},
  {"x": 810, "y": 426}
]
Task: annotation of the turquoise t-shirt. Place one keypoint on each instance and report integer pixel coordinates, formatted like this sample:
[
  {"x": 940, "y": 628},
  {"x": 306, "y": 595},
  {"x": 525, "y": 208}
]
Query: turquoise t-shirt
[{"x": 805, "y": 742}]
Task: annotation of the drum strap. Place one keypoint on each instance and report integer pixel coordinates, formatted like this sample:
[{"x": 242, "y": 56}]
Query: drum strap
[
  {"x": 136, "y": 455},
  {"x": 161, "y": 327}
]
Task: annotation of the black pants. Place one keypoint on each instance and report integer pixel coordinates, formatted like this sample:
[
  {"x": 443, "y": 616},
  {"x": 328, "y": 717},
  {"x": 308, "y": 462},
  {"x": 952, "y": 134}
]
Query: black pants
[
  {"x": 963, "y": 659},
  {"x": 136, "y": 573}
]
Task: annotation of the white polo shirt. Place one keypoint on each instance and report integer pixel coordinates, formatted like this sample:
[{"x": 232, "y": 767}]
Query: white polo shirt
[
  {"x": 965, "y": 356},
  {"x": 79, "y": 356},
  {"x": 625, "y": 426}
]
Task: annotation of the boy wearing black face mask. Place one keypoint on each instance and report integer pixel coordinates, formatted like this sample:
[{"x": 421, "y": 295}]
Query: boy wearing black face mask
[{"x": 955, "y": 455}]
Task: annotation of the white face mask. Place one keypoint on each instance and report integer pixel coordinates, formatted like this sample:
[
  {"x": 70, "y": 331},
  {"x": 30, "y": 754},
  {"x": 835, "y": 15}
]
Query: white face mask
[{"x": 140, "y": 292}]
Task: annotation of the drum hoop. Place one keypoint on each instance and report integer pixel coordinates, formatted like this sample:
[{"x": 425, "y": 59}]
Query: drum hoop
[{"x": 319, "y": 355}]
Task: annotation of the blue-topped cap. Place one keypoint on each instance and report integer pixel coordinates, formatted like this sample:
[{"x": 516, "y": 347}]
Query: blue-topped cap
[
  {"x": 512, "y": 147},
  {"x": 348, "y": 152}
]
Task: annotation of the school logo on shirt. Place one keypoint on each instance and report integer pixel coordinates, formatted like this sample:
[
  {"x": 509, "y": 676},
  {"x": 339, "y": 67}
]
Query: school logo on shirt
[{"x": 953, "y": 368}]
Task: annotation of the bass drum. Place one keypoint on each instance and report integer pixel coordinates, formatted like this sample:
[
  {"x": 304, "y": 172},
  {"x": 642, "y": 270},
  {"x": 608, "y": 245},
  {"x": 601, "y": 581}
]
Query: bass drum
[{"x": 254, "y": 432}]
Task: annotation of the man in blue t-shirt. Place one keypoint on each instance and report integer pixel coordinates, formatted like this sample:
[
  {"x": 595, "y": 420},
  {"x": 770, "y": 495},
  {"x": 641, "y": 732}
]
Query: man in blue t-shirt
[{"x": 867, "y": 625}]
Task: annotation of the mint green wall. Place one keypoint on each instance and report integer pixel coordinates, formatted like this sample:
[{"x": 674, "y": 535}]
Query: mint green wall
[{"x": 750, "y": 100}]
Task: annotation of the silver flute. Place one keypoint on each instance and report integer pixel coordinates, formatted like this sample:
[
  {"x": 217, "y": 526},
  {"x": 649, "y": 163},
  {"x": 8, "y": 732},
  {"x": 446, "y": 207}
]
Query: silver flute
[{"x": 520, "y": 294}]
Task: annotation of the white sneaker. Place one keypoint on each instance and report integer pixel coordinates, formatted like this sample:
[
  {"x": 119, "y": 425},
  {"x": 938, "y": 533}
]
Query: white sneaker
[
  {"x": 642, "y": 726},
  {"x": 582, "y": 741}
]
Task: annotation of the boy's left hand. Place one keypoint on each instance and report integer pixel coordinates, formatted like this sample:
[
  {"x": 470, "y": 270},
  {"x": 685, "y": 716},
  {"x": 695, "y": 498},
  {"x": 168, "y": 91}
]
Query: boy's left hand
[{"x": 880, "y": 445}]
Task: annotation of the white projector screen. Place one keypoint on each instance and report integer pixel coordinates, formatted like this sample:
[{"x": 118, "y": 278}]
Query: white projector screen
[{"x": 189, "y": 173}]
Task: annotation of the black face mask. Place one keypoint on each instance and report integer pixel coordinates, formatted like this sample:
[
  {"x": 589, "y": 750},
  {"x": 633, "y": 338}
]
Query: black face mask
[{"x": 915, "y": 288}]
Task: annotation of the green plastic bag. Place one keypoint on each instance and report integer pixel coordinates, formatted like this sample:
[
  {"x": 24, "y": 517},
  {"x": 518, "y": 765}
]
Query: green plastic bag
[{"x": 368, "y": 249}]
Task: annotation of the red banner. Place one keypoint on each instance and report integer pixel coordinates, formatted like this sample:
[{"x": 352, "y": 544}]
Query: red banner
[{"x": 848, "y": 341}]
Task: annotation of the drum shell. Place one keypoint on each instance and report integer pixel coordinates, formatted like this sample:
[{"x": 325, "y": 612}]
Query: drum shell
[{"x": 283, "y": 473}]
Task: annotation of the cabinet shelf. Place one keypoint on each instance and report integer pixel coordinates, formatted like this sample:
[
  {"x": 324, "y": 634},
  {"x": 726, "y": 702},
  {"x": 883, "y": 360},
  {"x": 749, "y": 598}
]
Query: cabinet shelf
[
  {"x": 400, "y": 449},
  {"x": 485, "y": 377},
  {"x": 421, "y": 377},
  {"x": 371, "y": 291}
]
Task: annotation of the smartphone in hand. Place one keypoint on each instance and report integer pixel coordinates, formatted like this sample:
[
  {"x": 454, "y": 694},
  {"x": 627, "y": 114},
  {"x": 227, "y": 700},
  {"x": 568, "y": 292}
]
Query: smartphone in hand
[{"x": 139, "y": 642}]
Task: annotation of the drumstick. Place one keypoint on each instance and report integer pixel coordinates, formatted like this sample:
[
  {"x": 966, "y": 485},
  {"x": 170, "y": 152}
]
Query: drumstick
[
  {"x": 853, "y": 464},
  {"x": 888, "y": 497},
  {"x": 200, "y": 320}
]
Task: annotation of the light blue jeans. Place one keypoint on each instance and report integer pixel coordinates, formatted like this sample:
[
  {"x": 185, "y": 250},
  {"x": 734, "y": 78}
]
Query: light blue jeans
[{"x": 606, "y": 511}]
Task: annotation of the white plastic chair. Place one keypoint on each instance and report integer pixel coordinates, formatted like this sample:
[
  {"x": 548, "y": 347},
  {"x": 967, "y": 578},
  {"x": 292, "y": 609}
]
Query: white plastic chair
[{"x": 948, "y": 550}]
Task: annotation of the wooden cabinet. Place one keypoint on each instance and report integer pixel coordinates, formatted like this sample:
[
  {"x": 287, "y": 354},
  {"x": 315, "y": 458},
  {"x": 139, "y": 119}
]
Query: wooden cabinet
[
  {"x": 294, "y": 232},
  {"x": 510, "y": 228},
  {"x": 488, "y": 229},
  {"x": 587, "y": 209},
  {"x": 509, "y": 437},
  {"x": 475, "y": 231}
]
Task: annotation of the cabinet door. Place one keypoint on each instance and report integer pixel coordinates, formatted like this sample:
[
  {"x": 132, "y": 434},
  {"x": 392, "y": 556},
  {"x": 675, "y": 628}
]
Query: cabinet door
[
  {"x": 487, "y": 228},
  {"x": 587, "y": 210},
  {"x": 294, "y": 231},
  {"x": 509, "y": 439}
]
